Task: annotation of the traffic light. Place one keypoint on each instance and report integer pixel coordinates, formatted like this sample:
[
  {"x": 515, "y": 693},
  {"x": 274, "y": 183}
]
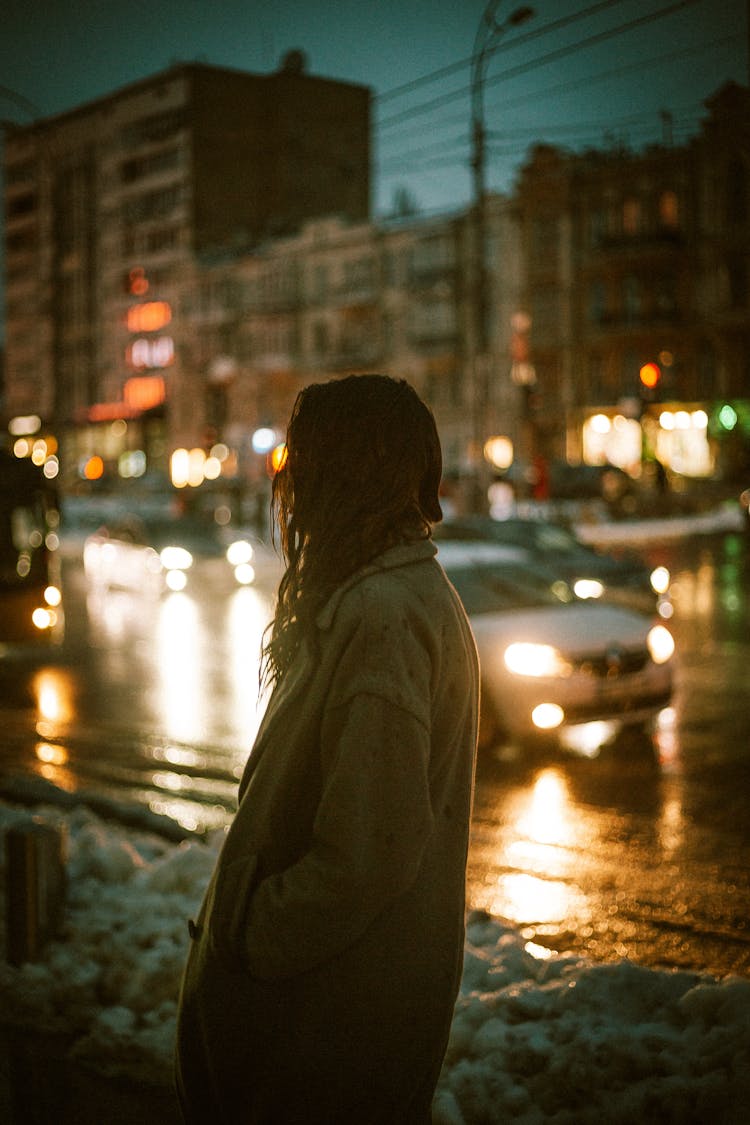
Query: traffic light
[{"x": 650, "y": 374}]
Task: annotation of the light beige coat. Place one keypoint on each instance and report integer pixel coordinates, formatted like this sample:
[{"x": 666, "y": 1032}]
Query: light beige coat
[{"x": 327, "y": 955}]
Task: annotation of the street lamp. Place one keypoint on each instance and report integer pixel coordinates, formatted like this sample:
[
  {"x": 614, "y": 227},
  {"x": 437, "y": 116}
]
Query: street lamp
[{"x": 487, "y": 37}]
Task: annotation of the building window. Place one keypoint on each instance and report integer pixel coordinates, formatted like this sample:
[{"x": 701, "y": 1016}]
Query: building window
[
  {"x": 165, "y": 238},
  {"x": 151, "y": 205},
  {"x": 19, "y": 241},
  {"x": 319, "y": 286},
  {"x": 21, "y": 205},
  {"x": 433, "y": 255},
  {"x": 597, "y": 302},
  {"x": 391, "y": 271},
  {"x": 138, "y": 167},
  {"x": 20, "y": 173},
  {"x": 545, "y": 310},
  {"x": 669, "y": 209},
  {"x": 545, "y": 241},
  {"x": 631, "y": 216},
  {"x": 359, "y": 274},
  {"x": 666, "y": 296},
  {"x": 321, "y": 339},
  {"x": 597, "y": 223},
  {"x": 632, "y": 300},
  {"x": 156, "y": 127},
  {"x": 433, "y": 320}
]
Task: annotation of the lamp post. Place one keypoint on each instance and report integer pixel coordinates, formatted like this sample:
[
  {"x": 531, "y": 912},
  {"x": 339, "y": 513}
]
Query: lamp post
[{"x": 487, "y": 37}]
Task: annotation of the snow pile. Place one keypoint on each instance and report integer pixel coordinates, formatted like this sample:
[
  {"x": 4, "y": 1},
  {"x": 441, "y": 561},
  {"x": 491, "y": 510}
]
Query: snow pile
[
  {"x": 535, "y": 1037},
  {"x": 112, "y": 976},
  {"x": 566, "y": 1040}
]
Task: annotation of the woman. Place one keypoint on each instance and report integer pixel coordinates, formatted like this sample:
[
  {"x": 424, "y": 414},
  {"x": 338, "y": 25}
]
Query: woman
[{"x": 327, "y": 955}]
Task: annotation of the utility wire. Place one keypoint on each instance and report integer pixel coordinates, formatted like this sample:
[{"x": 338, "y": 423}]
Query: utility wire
[
  {"x": 693, "y": 111},
  {"x": 532, "y": 64},
  {"x": 453, "y": 68},
  {"x": 578, "y": 83}
]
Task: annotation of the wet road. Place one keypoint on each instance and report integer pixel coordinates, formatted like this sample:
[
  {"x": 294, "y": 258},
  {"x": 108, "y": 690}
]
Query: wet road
[
  {"x": 628, "y": 856},
  {"x": 621, "y": 855}
]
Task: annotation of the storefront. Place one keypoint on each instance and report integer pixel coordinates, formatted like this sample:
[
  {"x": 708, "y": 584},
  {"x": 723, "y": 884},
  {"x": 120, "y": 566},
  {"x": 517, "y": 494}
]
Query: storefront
[{"x": 694, "y": 440}]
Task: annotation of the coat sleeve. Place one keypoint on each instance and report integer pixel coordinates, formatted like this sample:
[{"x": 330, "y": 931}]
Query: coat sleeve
[{"x": 373, "y": 821}]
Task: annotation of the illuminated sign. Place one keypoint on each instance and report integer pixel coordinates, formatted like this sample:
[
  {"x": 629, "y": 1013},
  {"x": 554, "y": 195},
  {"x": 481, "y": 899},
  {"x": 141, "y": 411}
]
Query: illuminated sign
[
  {"x": 144, "y": 391},
  {"x": 149, "y": 317},
  {"x": 151, "y": 352},
  {"x": 136, "y": 281}
]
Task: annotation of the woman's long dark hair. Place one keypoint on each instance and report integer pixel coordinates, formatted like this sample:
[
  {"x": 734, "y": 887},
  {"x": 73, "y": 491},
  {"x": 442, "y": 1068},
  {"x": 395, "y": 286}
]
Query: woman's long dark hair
[{"x": 362, "y": 473}]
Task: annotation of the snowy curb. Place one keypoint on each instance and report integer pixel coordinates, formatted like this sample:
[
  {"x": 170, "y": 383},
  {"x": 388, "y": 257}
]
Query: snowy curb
[
  {"x": 535, "y": 1038},
  {"x": 719, "y": 521}
]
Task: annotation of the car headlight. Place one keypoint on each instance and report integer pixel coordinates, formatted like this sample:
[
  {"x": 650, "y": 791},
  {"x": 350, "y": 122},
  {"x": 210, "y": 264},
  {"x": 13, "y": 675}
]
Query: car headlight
[
  {"x": 587, "y": 588},
  {"x": 43, "y": 618},
  {"x": 547, "y": 716},
  {"x": 660, "y": 578},
  {"x": 239, "y": 552},
  {"x": 660, "y": 644},
  {"x": 176, "y": 558},
  {"x": 525, "y": 659}
]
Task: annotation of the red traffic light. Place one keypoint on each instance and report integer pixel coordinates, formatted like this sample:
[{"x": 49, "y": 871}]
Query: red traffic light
[{"x": 650, "y": 374}]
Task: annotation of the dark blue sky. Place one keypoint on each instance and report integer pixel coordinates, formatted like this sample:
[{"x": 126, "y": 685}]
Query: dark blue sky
[{"x": 567, "y": 80}]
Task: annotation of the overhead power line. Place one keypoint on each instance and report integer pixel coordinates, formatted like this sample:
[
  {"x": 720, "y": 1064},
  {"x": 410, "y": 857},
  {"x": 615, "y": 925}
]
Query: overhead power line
[
  {"x": 453, "y": 68},
  {"x": 532, "y": 64},
  {"x": 687, "y": 114}
]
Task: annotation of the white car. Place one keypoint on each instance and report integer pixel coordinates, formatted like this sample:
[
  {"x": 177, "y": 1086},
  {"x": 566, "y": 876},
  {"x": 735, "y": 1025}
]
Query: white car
[
  {"x": 156, "y": 556},
  {"x": 554, "y": 666}
]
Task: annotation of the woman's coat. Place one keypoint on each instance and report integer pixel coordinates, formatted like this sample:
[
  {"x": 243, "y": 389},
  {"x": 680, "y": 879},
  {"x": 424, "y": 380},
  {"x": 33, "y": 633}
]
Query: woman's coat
[{"x": 327, "y": 955}]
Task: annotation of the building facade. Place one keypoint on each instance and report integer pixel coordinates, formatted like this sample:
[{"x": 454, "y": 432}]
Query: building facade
[
  {"x": 110, "y": 207},
  {"x": 186, "y": 254},
  {"x": 636, "y": 272}
]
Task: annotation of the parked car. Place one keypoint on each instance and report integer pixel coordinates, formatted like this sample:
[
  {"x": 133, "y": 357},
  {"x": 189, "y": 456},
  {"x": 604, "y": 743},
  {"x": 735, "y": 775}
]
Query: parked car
[
  {"x": 554, "y": 666},
  {"x": 156, "y": 555},
  {"x": 623, "y": 578}
]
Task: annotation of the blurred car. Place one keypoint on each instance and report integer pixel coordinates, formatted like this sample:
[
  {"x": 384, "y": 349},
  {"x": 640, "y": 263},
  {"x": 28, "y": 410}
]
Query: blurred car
[
  {"x": 582, "y": 482},
  {"x": 624, "y": 579},
  {"x": 156, "y": 555},
  {"x": 554, "y": 666}
]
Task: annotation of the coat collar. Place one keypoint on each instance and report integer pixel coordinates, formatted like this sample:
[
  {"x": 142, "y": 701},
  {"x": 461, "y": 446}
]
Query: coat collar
[{"x": 403, "y": 555}]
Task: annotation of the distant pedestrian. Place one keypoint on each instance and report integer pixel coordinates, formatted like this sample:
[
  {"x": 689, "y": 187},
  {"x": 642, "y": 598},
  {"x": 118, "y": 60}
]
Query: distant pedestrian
[{"x": 327, "y": 955}]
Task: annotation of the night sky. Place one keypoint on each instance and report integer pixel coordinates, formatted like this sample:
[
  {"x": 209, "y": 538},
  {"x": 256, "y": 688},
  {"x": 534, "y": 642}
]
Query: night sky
[{"x": 545, "y": 83}]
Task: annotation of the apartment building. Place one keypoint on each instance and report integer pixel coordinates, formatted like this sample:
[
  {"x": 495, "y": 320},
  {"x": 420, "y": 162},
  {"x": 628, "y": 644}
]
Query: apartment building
[
  {"x": 636, "y": 270},
  {"x": 186, "y": 254},
  {"x": 111, "y": 207}
]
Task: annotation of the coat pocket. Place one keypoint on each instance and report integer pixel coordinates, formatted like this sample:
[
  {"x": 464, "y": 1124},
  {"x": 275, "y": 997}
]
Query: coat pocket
[{"x": 234, "y": 887}]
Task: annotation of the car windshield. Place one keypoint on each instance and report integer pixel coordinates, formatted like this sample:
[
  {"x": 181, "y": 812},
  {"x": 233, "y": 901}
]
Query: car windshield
[
  {"x": 491, "y": 589},
  {"x": 536, "y": 534},
  {"x": 200, "y": 537},
  {"x": 550, "y": 537}
]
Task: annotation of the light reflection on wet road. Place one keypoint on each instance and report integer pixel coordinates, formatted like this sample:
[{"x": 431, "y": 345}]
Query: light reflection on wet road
[
  {"x": 623, "y": 856},
  {"x": 617, "y": 856}
]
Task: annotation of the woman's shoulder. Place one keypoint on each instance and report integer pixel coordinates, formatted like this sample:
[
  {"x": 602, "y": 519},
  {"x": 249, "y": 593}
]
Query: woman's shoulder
[{"x": 394, "y": 581}]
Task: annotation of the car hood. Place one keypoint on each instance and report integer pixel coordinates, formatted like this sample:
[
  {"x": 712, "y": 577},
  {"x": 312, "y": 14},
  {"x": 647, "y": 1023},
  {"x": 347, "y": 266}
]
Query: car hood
[{"x": 576, "y": 629}]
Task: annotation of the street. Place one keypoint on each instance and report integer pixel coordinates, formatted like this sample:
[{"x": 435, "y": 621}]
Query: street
[{"x": 621, "y": 855}]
